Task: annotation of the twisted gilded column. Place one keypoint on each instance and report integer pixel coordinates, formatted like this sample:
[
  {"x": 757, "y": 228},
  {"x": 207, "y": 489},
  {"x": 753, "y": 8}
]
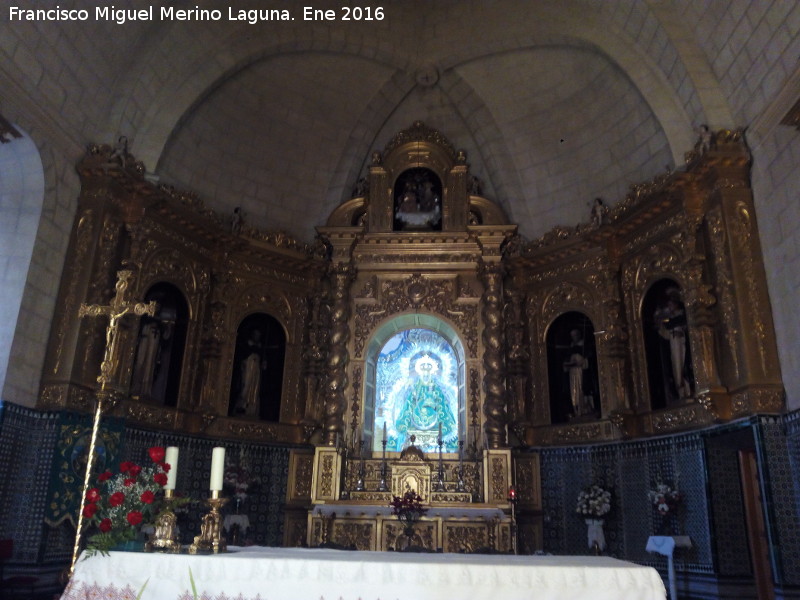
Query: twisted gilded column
[
  {"x": 341, "y": 275},
  {"x": 493, "y": 364},
  {"x": 699, "y": 302}
]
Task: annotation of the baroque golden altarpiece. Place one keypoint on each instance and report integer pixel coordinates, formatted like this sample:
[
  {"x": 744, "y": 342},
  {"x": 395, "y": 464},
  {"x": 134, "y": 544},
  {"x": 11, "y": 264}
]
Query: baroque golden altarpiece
[{"x": 386, "y": 262}]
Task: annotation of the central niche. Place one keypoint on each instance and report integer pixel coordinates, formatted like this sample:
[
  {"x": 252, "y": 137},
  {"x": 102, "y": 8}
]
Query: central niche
[
  {"x": 418, "y": 201},
  {"x": 417, "y": 392}
]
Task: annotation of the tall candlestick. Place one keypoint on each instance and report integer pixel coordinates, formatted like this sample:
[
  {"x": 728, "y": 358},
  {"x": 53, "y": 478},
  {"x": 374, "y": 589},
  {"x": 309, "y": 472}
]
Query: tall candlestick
[
  {"x": 172, "y": 460},
  {"x": 217, "y": 469},
  {"x": 440, "y": 432},
  {"x": 460, "y": 485}
]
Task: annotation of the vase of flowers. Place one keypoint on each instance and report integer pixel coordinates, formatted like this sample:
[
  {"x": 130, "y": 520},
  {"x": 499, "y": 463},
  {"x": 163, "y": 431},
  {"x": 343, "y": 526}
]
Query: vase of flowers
[
  {"x": 239, "y": 482},
  {"x": 120, "y": 504},
  {"x": 408, "y": 509},
  {"x": 666, "y": 500},
  {"x": 594, "y": 503}
]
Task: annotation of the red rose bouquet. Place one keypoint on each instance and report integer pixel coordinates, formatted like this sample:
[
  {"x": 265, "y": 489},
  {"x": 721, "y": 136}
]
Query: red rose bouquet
[
  {"x": 122, "y": 502},
  {"x": 409, "y": 508}
]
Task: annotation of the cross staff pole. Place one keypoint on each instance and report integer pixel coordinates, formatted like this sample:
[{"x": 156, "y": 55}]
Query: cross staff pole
[{"x": 119, "y": 307}]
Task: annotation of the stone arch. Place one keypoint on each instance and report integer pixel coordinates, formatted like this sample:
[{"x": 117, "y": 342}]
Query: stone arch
[
  {"x": 22, "y": 196},
  {"x": 181, "y": 93}
]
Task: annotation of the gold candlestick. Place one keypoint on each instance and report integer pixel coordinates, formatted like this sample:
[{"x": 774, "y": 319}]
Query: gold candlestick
[
  {"x": 165, "y": 538},
  {"x": 211, "y": 539}
]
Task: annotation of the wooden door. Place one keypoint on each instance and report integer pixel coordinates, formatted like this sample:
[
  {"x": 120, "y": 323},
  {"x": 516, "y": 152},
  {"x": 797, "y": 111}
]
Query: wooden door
[{"x": 756, "y": 526}]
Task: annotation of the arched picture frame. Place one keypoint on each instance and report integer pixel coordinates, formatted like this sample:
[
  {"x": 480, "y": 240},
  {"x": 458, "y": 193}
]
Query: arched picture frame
[
  {"x": 667, "y": 349},
  {"x": 257, "y": 377},
  {"x": 161, "y": 341},
  {"x": 572, "y": 369}
]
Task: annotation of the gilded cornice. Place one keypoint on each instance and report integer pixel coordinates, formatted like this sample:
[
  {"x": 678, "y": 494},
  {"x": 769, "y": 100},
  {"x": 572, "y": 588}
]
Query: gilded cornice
[
  {"x": 416, "y": 293},
  {"x": 103, "y": 166},
  {"x": 419, "y": 132}
]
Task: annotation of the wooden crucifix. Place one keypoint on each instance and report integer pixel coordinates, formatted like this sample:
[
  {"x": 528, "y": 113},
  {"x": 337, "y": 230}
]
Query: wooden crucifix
[{"x": 118, "y": 308}]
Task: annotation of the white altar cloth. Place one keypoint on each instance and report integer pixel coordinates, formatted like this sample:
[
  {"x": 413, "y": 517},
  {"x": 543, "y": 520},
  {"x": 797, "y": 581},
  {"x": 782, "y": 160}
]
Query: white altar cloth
[{"x": 321, "y": 574}]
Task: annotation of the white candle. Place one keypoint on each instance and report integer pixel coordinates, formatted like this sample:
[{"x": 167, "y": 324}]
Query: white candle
[
  {"x": 440, "y": 432},
  {"x": 384, "y": 431},
  {"x": 217, "y": 469},
  {"x": 172, "y": 460}
]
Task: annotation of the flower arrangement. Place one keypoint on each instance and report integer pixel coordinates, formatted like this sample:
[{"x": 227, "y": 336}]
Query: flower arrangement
[
  {"x": 122, "y": 502},
  {"x": 408, "y": 508},
  {"x": 238, "y": 481},
  {"x": 665, "y": 499},
  {"x": 594, "y": 501}
]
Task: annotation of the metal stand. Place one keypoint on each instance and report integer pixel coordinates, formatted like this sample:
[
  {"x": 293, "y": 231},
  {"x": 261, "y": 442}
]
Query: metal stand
[
  {"x": 439, "y": 485},
  {"x": 360, "y": 481},
  {"x": 512, "y": 499},
  {"x": 382, "y": 487},
  {"x": 460, "y": 485},
  {"x": 344, "y": 451},
  {"x": 118, "y": 308}
]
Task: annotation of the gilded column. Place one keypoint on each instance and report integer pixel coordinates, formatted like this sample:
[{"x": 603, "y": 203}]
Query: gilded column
[
  {"x": 341, "y": 275},
  {"x": 493, "y": 364},
  {"x": 380, "y": 214},
  {"x": 456, "y": 207},
  {"x": 758, "y": 386},
  {"x": 518, "y": 358},
  {"x": 211, "y": 400},
  {"x": 314, "y": 358},
  {"x": 699, "y": 301},
  {"x": 612, "y": 342}
]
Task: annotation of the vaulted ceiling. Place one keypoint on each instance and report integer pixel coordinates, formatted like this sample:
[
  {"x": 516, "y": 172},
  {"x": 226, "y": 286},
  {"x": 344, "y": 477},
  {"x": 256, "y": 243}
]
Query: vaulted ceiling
[{"x": 555, "y": 103}]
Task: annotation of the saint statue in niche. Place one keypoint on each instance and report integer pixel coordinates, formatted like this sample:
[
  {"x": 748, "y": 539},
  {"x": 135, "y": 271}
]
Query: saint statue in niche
[
  {"x": 153, "y": 336},
  {"x": 252, "y": 368},
  {"x": 160, "y": 342},
  {"x": 572, "y": 369},
  {"x": 425, "y": 409},
  {"x": 256, "y": 384},
  {"x": 417, "y": 203},
  {"x": 575, "y": 367},
  {"x": 670, "y": 322}
]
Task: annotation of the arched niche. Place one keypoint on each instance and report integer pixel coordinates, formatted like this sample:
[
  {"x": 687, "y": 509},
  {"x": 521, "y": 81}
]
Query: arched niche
[
  {"x": 666, "y": 343},
  {"x": 572, "y": 369},
  {"x": 414, "y": 354},
  {"x": 21, "y": 199},
  {"x": 161, "y": 341},
  {"x": 257, "y": 378},
  {"x": 418, "y": 200},
  {"x": 416, "y": 151}
]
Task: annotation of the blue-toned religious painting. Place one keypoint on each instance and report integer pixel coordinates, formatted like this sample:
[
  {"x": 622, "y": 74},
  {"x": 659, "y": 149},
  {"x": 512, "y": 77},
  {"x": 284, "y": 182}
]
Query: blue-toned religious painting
[{"x": 416, "y": 392}]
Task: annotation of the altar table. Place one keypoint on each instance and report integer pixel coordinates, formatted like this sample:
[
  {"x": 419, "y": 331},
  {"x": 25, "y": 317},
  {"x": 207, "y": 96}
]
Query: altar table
[{"x": 324, "y": 574}]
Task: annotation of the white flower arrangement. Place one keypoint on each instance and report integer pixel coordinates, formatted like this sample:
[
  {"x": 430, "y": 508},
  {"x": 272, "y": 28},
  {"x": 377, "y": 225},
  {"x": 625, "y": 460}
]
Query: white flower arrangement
[
  {"x": 594, "y": 501},
  {"x": 665, "y": 499}
]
